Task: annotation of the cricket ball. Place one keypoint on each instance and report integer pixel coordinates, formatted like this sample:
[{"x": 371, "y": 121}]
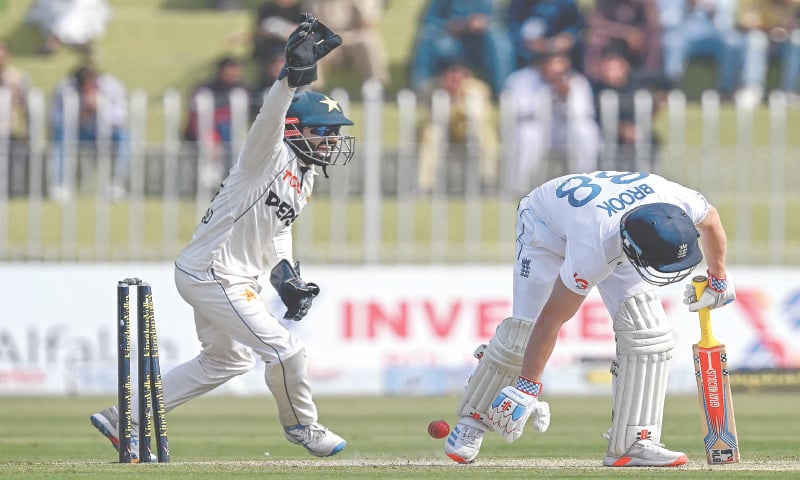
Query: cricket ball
[{"x": 438, "y": 429}]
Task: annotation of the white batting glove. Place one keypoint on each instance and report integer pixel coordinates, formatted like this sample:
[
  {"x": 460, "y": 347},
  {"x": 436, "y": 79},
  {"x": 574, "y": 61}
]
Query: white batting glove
[
  {"x": 513, "y": 406},
  {"x": 718, "y": 293}
]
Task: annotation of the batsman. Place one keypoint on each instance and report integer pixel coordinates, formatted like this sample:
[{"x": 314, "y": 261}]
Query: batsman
[{"x": 625, "y": 233}]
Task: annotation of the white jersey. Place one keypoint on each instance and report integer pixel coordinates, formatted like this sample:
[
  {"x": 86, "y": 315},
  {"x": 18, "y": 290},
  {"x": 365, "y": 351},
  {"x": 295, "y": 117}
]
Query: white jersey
[
  {"x": 247, "y": 228},
  {"x": 585, "y": 210}
]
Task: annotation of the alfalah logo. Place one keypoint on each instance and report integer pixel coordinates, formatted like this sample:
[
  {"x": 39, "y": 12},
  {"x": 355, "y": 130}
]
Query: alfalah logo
[{"x": 683, "y": 250}]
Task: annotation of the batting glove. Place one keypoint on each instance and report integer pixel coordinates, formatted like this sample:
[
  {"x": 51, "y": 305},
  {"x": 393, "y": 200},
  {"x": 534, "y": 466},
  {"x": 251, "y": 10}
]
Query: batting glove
[
  {"x": 718, "y": 293},
  {"x": 513, "y": 406}
]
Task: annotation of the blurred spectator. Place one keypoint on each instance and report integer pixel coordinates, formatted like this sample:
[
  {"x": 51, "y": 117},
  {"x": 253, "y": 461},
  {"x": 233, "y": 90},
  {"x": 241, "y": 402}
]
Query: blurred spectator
[
  {"x": 228, "y": 78},
  {"x": 14, "y": 119},
  {"x": 466, "y": 31},
  {"x": 772, "y": 34},
  {"x": 635, "y": 23},
  {"x": 362, "y": 49},
  {"x": 100, "y": 114},
  {"x": 470, "y": 132},
  {"x": 275, "y": 20},
  {"x": 539, "y": 26},
  {"x": 636, "y": 147},
  {"x": 554, "y": 129},
  {"x": 701, "y": 28},
  {"x": 76, "y": 23}
]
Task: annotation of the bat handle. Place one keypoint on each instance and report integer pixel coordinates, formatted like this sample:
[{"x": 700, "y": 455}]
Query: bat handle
[{"x": 700, "y": 282}]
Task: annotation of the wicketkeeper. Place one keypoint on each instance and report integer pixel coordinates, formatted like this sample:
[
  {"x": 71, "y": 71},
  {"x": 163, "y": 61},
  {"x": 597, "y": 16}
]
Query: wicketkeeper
[
  {"x": 625, "y": 233},
  {"x": 246, "y": 233}
]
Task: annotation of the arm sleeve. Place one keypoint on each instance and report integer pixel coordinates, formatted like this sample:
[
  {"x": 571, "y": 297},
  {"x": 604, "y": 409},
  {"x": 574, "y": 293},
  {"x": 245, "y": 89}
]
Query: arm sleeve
[
  {"x": 281, "y": 247},
  {"x": 265, "y": 138}
]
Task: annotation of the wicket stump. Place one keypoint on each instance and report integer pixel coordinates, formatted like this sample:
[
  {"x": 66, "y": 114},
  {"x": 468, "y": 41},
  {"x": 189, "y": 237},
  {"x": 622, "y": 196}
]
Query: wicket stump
[{"x": 150, "y": 391}]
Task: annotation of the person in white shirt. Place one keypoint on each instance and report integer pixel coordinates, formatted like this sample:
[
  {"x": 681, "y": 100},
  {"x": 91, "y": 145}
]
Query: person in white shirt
[
  {"x": 625, "y": 233},
  {"x": 554, "y": 130},
  {"x": 246, "y": 232}
]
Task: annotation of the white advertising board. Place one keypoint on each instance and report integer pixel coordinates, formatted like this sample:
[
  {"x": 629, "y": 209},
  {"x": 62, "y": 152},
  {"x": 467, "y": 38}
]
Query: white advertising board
[{"x": 373, "y": 330}]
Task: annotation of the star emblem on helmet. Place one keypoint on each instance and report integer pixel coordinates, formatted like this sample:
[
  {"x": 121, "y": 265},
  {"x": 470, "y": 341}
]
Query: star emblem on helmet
[{"x": 331, "y": 103}]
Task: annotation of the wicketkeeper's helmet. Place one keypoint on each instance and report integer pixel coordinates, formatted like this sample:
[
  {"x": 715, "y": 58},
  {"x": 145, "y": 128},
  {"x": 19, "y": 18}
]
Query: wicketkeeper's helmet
[
  {"x": 324, "y": 117},
  {"x": 660, "y": 240}
]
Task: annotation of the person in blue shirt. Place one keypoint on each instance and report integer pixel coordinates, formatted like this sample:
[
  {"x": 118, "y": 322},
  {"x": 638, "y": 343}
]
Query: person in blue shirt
[
  {"x": 467, "y": 31},
  {"x": 539, "y": 26}
]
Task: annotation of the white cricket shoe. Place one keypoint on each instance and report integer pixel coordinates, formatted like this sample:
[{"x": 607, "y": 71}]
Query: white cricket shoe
[
  {"x": 646, "y": 453},
  {"x": 107, "y": 423},
  {"x": 317, "y": 439},
  {"x": 464, "y": 442}
]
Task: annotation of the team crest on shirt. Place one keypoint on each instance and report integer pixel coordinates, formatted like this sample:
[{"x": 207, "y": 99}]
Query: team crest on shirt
[{"x": 249, "y": 294}]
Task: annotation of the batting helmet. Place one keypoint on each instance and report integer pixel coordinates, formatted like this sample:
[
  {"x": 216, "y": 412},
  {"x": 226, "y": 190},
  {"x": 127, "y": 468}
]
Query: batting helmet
[{"x": 660, "y": 240}]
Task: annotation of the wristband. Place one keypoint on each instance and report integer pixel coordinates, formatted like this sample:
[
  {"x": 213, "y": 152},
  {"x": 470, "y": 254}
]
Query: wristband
[
  {"x": 716, "y": 284},
  {"x": 529, "y": 386}
]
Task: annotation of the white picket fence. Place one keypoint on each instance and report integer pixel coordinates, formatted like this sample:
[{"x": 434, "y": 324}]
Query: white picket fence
[{"x": 371, "y": 211}]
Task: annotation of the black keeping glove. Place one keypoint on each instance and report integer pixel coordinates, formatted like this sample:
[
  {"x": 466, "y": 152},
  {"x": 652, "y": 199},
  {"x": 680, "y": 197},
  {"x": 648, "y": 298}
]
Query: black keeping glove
[
  {"x": 310, "y": 41},
  {"x": 295, "y": 293}
]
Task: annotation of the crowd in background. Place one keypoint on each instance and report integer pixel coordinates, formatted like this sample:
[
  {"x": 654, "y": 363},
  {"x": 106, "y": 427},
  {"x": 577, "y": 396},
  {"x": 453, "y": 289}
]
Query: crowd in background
[{"x": 552, "y": 57}]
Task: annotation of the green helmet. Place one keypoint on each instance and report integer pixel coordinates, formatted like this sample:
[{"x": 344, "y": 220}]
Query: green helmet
[{"x": 322, "y": 144}]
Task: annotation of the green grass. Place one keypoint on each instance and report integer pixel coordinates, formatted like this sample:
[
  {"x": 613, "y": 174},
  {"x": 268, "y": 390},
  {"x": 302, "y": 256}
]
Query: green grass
[{"x": 228, "y": 437}]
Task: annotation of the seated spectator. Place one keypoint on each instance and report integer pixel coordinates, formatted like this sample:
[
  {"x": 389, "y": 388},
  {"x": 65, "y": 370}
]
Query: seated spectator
[
  {"x": 772, "y": 34},
  {"x": 362, "y": 49},
  {"x": 554, "y": 129},
  {"x": 539, "y": 26},
  {"x": 693, "y": 29},
  {"x": 101, "y": 116},
  {"x": 228, "y": 78},
  {"x": 635, "y": 23},
  {"x": 76, "y": 23},
  {"x": 14, "y": 120},
  {"x": 636, "y": 147},
  {"x": 463, "y": 31},
  {"x": 275, "y": 20},
  {"x": 469, "y": 133}
]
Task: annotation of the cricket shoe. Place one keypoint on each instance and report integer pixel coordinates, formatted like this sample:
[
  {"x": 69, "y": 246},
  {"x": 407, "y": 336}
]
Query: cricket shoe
[
  {"x": 464, "y": 442},
  {"x": 646, "y": 453},
  {"x": 317, "y": 439},
  {"x": 107, "y": 423}
]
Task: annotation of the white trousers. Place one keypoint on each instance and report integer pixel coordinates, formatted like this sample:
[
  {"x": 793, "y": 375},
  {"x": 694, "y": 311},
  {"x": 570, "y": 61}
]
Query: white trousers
[{"x": 232, "y": 324}]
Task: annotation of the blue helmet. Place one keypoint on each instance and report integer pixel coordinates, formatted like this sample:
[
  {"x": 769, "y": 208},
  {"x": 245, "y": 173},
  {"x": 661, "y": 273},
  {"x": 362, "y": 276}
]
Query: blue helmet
[
  {"x": 660, "y": 240},
  {"x": 322, "y": 144}
]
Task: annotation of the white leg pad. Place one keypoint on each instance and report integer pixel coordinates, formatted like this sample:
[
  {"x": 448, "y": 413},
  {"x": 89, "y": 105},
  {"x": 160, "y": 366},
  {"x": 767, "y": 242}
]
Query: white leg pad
[
  {"x": 640, "y": 371},
  {"x": 288, "y": 382},
  {"x": 499, "y": 365}
]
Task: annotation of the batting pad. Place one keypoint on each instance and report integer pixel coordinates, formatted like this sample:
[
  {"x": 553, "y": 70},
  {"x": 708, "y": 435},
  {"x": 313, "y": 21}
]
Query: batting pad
[
  {"x": 498, "y": 367},
  {"x": 288, "y": 382},
  {"x": 640, "y": 371}
]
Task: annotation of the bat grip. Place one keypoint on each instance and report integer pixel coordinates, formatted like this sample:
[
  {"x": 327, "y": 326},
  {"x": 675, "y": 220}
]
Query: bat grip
[{"x": 707, "y": 339}]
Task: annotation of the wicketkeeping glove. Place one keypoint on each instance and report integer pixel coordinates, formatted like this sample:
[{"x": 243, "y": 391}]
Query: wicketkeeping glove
[
  {"x": 512, "y": 408},
  {"x": 295, "y": 293},
  {"x": 718, "y": 293},
  {"x": 310, "y": 41}
]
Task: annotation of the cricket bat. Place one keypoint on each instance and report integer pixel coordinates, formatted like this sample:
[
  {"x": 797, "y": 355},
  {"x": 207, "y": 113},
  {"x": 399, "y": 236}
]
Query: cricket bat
[{"x": 714, "y": 390}]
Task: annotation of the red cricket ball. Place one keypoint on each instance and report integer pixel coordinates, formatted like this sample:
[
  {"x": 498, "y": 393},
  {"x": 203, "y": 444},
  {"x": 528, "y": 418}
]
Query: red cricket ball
[{"x": 438, "y": 429}]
